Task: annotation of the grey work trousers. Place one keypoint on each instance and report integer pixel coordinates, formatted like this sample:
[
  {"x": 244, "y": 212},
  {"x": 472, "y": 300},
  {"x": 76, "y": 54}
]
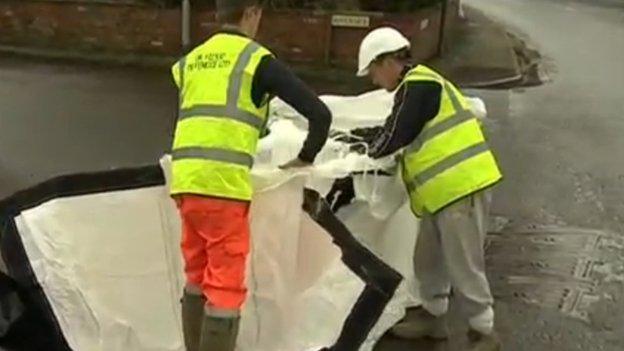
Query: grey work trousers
[{"x": 450, "y": 253}]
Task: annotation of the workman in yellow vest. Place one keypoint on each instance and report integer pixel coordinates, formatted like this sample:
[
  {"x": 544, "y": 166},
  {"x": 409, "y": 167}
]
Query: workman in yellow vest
[
  {"x": 225, "y": 86},
  {"x": 448, "y": 168}
]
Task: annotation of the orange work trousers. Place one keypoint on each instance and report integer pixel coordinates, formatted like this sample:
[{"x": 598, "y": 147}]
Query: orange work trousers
[{"x": 215, "y": 245}]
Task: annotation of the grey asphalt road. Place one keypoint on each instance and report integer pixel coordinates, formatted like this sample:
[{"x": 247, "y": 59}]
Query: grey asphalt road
[
  {"x": 561, "y": 146},
  {"x": 561, "y": 143},
  {"x": 58, "y": 118}
]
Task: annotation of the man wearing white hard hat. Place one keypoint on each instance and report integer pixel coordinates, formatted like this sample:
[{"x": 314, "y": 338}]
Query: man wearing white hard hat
[{"x": 448, "y": 168}]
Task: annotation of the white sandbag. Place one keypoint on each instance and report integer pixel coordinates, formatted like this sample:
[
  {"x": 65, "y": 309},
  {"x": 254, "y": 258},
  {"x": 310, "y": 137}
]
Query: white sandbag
[
  {"x": 349, "y": 112},
  {"x": 366, "y": 110}
]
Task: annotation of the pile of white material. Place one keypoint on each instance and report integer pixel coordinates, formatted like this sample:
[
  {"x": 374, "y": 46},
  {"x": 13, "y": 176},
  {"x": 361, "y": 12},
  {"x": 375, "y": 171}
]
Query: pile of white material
[
  {"x": 110, "y": 265},
  {"x": 366, "y": 110},
  {"x": 311, "y": 290}
]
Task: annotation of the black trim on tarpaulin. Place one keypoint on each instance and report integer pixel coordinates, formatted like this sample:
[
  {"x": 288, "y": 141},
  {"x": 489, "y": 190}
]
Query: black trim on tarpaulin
[
  {"x": 381, "y": 280},
  {"x": 341, "y": 194},
  {"x": 38, "y": 329},
  {"x": 11, "y": 306},
  {"x": 83, "y": 184}
]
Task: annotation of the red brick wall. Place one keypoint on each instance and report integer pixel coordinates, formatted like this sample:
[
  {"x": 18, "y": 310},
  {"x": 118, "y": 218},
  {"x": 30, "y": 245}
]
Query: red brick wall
[
  {"x": 286, "y": 33},
  {"x": 202, "y": 25},
  {"x": 310, "y": 37},
  {"x": 451, "y": 23},
  {"x": 94, "y": 27},
  {"x": 421, "y": 28},
  {"x": 294, "y": 35}
]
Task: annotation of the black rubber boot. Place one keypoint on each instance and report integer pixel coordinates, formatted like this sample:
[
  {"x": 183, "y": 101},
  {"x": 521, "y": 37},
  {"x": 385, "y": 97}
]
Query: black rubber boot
[
  {"x": 219, "y": 334},
  {"x": 361, "y": 320},
  {"x": 192, "y": 313}
]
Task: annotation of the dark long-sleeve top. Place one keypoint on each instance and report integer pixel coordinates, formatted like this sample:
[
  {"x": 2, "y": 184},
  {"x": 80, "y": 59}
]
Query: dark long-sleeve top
[
  {"x": 416, "y": 103},
  {"x": 275, "y": 79}
]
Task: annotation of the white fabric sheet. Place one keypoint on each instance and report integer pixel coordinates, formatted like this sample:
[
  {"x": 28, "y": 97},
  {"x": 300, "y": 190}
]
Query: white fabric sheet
[{"x": 111, "y": 267}]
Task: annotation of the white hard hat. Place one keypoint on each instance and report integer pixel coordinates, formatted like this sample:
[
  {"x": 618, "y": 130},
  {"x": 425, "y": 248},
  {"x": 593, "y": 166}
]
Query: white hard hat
[{"x": 378, "y": 42}]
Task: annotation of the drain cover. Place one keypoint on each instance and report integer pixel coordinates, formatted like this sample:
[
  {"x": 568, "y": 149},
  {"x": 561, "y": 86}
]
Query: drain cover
[{"x": 560, "y": 268}]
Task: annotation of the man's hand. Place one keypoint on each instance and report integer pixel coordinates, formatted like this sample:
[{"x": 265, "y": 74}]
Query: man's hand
[{"x": 295, "y": 164}]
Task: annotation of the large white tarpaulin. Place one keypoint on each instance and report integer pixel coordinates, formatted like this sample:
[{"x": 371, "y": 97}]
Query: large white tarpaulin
[{"x": 110, "y": 266}]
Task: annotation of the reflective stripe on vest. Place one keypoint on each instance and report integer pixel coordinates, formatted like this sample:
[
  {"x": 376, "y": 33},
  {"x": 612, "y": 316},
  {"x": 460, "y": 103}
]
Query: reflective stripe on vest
[
  {"x": 213, "y": 154},
  {"x": 446, "y": 164},
  {"x": 215, "y": 111}
]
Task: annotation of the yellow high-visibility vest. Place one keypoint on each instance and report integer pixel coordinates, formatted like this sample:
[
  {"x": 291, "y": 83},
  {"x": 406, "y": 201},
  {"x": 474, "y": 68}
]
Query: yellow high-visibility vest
[
  {"x": 219, "y": 125},
  {"x": 450, "y": 159}
]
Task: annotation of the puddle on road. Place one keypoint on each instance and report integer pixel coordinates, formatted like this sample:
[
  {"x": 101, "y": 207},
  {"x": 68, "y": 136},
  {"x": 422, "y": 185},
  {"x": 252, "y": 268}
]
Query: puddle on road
[{"x": 555, "y": 267}]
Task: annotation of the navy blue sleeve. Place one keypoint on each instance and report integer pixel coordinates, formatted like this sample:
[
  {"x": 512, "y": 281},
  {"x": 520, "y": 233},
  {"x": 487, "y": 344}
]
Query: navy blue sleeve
[
  {"x": 276, "y": 79},
  {"x": 416, "y": 103}
]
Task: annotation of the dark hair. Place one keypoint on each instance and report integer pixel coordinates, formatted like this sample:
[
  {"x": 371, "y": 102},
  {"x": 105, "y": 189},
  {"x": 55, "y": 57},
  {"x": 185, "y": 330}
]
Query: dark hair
[
  {"x": 404, "y": 55},
  {"x": 233, "y": 13}
]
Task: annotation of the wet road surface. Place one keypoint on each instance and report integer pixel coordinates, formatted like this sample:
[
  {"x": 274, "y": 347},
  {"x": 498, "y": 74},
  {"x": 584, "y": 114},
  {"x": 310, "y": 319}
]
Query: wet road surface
[{"x": 57, "y": 119}]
